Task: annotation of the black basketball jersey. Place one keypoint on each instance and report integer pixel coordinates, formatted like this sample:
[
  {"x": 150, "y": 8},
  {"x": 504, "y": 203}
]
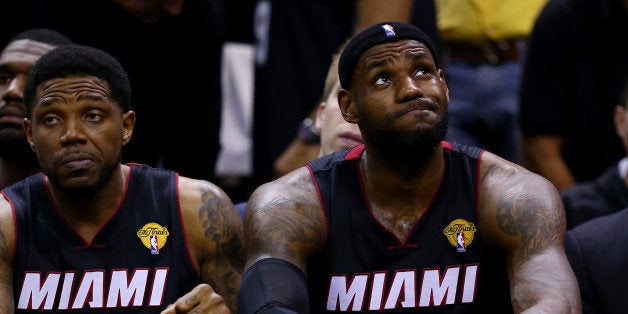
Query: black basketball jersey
[
  {"x": 444, "y": 265},
  {"x": 137, "y": 263}
]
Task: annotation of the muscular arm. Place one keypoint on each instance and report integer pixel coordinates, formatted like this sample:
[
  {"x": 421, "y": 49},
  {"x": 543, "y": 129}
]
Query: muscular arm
[
  {"x": 522, "y": 214},
  {"x": 284, "y": 221},
  {"x": 542, "y": 155},
  {"x": 7, "y": 238},
  {"x": 214, "y": 231}
]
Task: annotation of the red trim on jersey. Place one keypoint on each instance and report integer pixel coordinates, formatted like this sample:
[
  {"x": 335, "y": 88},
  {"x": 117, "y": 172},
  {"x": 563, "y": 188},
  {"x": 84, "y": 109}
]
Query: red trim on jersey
[
  {"x": 355, "y": 152},
  {"x": 446, "y": 145}
]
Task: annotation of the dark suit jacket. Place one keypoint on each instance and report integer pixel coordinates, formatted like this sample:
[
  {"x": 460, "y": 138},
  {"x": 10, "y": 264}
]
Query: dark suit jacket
[
  {"x": 598, "y": 253},
  {"x": 604, "y": 195}
]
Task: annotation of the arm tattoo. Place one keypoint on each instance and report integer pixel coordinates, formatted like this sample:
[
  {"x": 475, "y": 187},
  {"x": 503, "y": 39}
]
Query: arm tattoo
[
  {"x": 525, "y": 208},
  {"x": 229, "y": 255},
  {"x": 296, "y": 222},
  {"x": 5, "y": 261}
]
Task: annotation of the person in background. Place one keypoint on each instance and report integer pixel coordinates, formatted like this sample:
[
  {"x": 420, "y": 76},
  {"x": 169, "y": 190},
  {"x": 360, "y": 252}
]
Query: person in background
[
  {"x": 596, "y": 251},
  {"x": 17, "y": 160},
  {"x": 572, "y": 80},
  {"x": 483, "y": 47},
  {"x": 327, "y": 133},
  {"x": 89, "y": 233},
  {"x": 234, "y": 165},
  {"x": 393, "y": 225},
  {"x": 608, "y": 192},
  {"x": 171, "y": 50},
  {"x": 333, "y": 132}
]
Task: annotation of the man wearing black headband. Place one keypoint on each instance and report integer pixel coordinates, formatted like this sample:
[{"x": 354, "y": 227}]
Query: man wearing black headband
[{"x": 405, "y": 222}]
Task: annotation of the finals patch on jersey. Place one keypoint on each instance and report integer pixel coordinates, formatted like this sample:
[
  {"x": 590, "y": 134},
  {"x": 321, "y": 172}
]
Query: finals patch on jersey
[
  {"x": 153, "y": 236},
  {"x": 460, "y": 234}
]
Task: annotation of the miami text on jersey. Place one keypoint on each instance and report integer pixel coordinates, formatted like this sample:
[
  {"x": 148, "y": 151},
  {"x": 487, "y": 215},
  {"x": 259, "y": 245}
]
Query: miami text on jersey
[
  {"x": 436, "y": 289},
  {"x": 90, "y": 291}
]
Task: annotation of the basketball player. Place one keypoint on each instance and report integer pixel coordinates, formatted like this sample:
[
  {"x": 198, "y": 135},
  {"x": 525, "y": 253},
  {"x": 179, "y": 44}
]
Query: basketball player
[
  {"x": 76, "y": 237},
  {"x": 374, "y": 228}
]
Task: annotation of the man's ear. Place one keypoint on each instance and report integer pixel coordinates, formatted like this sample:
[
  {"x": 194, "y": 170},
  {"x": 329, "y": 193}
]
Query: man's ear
[
  {"x": 347, "y": 106},
  {"x": 28, "y": 129},
  {"x": 128, "y": 124},
  {"x": 318, "y": 115}
]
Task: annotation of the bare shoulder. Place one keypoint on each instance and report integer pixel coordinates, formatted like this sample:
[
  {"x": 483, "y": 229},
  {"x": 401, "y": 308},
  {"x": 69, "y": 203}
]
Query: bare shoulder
[
  {"x": 200, "y": 198},
  {"x": 7, "y": 230},
  {"x": 211, "y": 220},
  {"x": 519, "y": 206},
  {"x": 284, "y": 219},
  {"x": 7, "y": 253}
]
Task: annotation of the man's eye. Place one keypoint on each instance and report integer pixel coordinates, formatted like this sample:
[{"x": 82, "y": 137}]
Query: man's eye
[
  {"x": 422, "y": 72},
  {"x": 382, "y": 80},
  {"x": 49, "y": 119},
  {"x": 93, "y": 117},
  {"x": 5, "y": 78}
]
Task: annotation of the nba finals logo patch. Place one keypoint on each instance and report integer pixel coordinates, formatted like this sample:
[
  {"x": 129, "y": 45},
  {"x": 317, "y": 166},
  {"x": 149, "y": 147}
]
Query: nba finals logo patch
[
  {"x": 388, "y": 30},
  {"x": 460, "y": 233},
  {"x": 153, "y": 236}
]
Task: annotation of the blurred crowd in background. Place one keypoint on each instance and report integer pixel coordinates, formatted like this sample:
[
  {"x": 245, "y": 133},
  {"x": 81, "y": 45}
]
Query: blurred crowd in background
[{"x": 223, "y": 88}]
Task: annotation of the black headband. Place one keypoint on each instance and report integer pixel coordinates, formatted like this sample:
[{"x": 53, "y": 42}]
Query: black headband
[{"x": 376, "y": 35}]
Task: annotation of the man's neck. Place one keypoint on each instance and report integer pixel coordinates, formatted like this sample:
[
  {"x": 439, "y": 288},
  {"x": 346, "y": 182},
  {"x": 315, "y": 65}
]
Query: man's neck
[{"x": 402, "y": 176}]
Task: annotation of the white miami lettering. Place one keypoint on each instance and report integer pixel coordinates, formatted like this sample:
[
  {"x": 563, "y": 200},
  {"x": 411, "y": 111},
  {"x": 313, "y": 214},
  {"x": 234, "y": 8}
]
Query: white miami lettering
[
  {"x": 437, "y": 288},
  {"x": 89, "y": 292}
]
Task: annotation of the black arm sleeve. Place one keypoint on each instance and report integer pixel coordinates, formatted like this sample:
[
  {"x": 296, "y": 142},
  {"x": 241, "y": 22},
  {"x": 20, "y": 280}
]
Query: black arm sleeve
[{"x": 271, "y": 286}]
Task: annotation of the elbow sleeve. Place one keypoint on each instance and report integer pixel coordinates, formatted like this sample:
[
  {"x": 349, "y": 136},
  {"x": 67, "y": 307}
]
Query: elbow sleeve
[{"x": 271, "y": 286}]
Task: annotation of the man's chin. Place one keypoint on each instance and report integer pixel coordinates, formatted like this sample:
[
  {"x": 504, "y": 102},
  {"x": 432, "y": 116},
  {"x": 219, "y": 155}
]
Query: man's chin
[{"x": 77, "y": 188}]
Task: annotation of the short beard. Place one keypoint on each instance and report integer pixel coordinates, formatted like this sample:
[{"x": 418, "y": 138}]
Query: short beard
[
  {"x": 15, "y": 149},
  {"x": 84, "y": 191},
  {"x": 416, "y": 147}
]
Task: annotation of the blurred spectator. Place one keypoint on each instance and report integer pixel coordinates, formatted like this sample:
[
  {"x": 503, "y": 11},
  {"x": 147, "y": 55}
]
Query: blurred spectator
[
  {"x": 235, "y": 166},
  {"x": 597, "y": 254},
  {"x": 172, "y": 52},
  {"x": 572, "y": 80},
  {"x": 328, "y": 131},
  {"x": 332, "y": 131},
  {"x": 483, "y": 46},
  {"x": 608, "y": 192},
  {"x": 17, "y": 160}
]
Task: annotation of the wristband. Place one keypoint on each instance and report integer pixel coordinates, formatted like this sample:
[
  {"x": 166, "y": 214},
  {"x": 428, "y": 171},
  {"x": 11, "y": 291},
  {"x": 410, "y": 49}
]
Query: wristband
[{"x": 307, "y": 133}]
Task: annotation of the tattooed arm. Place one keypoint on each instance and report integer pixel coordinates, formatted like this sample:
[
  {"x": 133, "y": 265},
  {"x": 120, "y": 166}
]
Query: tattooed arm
[
  {"x": 283, "y": 226},
  {"x": 214, "y": 233},
  {"x": 7, "y": 240},
  {"x": 523, "y": 215}
]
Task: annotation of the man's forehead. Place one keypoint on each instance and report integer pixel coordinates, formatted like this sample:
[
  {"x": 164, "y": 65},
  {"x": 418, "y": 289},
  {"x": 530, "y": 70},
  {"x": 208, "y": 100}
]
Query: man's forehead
[
  {"x": 74, "y": 82},
  {"x": 24, "y": 50},
  {"x": 398, "y": 48}
]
